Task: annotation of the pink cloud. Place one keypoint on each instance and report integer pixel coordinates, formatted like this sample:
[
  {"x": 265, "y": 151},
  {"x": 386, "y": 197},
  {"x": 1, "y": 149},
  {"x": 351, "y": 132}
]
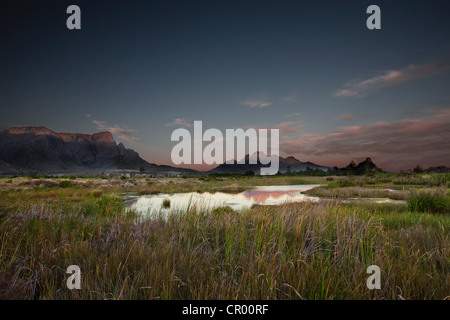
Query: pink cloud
[
  {"x": 289, "y": 127},
  {"x": 346, "y": 116},
  {"x": 124, "y": 132},
  {"x": 391, "y": 78},
  {"x": 395, "y": 145},
  {"x": 101, "y": 125},
  {"x": 179, "y": 122},
  {"x": 256, "y": 103},
  {"x": 130, "y": 138}
]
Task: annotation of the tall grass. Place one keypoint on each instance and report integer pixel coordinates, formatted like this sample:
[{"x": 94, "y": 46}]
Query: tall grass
[
  {"x": 433, "y": 201},
  {"x": 394, "y": 180},
  {"x": 298, "y": 251},
  {"x": 357, "y": 192},
  {"x": 231, "y": 184}
]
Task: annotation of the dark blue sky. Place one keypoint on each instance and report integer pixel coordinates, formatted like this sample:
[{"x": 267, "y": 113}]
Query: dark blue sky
[{"x": 140, "y": 69}]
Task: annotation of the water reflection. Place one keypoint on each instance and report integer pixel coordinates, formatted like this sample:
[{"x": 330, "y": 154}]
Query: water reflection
[{"x": 263, "y": 195}]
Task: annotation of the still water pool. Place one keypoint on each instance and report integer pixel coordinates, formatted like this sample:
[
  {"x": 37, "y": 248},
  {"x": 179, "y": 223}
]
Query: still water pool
[{"x": 262, "y": 195}]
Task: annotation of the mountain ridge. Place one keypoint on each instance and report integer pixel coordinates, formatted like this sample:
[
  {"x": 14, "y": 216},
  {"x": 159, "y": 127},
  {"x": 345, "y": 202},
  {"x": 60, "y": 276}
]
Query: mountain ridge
[
  {"x": 289, "y": 163},
  {"x": 105, "y": 136},
  {"x": 31, "y": 149}
]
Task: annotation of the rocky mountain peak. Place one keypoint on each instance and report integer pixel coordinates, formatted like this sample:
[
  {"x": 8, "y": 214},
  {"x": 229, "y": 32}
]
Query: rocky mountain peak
[
  {"x": 66, "y": 137},
  {"x": 40, "y": 150},
  {"x": 291, "y": 159},
  {"x": 29, "y": 129}
]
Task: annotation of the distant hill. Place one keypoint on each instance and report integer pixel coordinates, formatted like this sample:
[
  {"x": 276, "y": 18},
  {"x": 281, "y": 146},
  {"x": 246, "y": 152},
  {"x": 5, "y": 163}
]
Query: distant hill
[
  {"x": 25, "y": 150},
  {"x": 286, "y": 164}
]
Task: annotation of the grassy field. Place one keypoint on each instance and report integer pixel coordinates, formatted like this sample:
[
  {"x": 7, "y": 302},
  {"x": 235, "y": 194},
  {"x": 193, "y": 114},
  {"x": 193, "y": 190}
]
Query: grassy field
[{"x": 293, "y": 251}]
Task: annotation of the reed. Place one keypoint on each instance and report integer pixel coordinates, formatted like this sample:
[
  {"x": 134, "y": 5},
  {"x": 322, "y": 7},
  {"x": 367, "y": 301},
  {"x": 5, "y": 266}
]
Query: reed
[{"x": 297, "y": 251}]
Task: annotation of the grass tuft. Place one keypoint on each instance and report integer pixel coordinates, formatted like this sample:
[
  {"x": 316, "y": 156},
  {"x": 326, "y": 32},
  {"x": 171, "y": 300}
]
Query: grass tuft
[
  {"x": 166, "y": 203},
  {"x": 431, "y": 201}
]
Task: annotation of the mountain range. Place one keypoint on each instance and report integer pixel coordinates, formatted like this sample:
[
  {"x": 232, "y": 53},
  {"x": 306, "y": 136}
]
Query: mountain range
[
  {"x": 26, "y": 150},
  {"x": 285, "y": 164}
]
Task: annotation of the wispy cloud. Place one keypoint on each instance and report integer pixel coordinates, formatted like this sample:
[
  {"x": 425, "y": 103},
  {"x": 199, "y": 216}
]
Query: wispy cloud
[
  {"x": 256, "y": 103},
  {"x": 391, "y": 78},
  {"x": 289, "y": 127},
  {"x": 295, "y": 114},
  {"x": 179, "y": 122},
  {"x": 123, "y": 137},
  {"x": 115, "y": 129},
  {"x": 291, "y": 98},
  {"x": 346, "y": 116},
  {"x": 395, "y": 145},
  {"x": 101, "y": 125}
]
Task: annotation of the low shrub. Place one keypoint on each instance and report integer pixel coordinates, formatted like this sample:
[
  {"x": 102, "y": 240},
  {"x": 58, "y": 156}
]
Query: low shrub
[
  {"x": 223, "y": 210},
  {"x": 128, "y": 185},
  {"x": 146, "y": 191},
  {"x": 166, "y": 203},
  {"x": 65, "y": 184},
  {"x": 432, "y": 201},
  {"x": 342, "y": 184},
  {"x": 97, "y": 193}
]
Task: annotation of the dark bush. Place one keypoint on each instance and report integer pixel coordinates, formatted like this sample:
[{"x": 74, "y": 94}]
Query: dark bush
[{"x": 65, "y": 184}]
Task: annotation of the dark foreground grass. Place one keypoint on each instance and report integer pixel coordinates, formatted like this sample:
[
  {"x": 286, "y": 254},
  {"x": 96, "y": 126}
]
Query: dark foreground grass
[
  {"x": 430, "y": 200},
  {"x": 297, "y": 251}
]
